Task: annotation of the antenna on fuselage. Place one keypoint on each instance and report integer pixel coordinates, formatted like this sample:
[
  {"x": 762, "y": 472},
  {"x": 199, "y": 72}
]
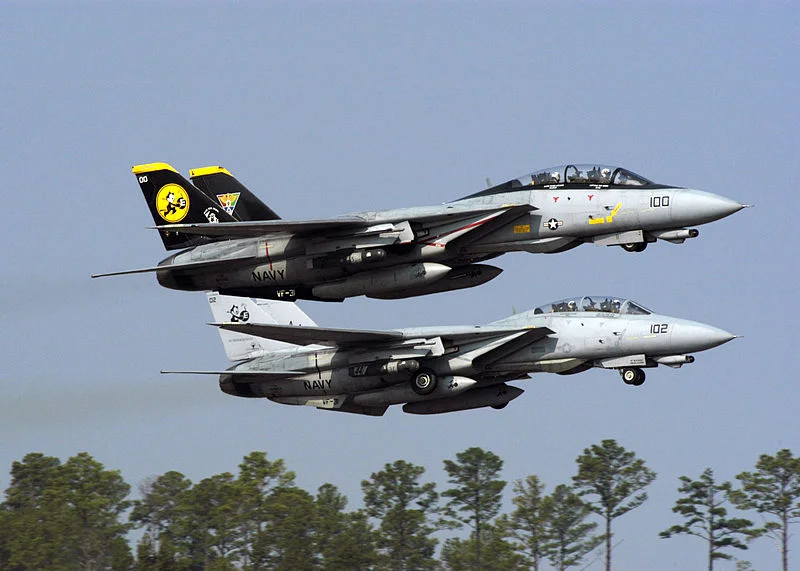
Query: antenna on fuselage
[{"x": 488, "y": 183}]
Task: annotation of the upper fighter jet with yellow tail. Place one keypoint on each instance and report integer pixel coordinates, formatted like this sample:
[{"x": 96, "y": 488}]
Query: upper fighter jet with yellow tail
[{"x": 233, "y": 243}]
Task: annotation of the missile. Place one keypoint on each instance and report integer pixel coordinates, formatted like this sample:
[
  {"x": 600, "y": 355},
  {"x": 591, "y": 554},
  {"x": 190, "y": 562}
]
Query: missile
[
  {"x": 382, "y": 281},
  {"x": 676, "y": 236},
  {"x": 675, "y": 361},
  {"x": 496, "y": 396}
]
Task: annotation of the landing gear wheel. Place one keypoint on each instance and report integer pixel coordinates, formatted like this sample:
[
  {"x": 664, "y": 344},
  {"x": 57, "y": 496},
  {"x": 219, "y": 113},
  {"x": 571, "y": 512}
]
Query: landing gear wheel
[
  {"x": 424, "y": 382},
  {"x": 632, "y": 376},
  {"x": 634, "y": 246}
]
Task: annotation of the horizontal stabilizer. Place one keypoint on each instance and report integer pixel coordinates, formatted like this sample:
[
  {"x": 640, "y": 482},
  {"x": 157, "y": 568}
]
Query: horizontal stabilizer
[
  {"x": 204, "y": 264},
  {"x": 264, "y": 375},
  {"x": 511, "y": 346},
  {"x": 313, "y": 335},
  {"x": 259, "y": 228}
]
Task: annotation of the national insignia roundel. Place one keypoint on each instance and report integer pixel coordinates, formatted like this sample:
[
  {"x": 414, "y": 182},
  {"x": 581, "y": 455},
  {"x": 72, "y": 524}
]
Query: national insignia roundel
[{"x": 172, "y": 203}]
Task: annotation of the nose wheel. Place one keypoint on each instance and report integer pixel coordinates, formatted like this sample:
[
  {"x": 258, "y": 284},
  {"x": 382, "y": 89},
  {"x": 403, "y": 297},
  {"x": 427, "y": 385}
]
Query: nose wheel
[
  {"x": 424, "y": 382},
  {"x": 632, "y": 376}
]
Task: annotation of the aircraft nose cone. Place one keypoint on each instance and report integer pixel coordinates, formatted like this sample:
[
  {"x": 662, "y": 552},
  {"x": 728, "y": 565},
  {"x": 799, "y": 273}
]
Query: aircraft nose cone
[
  {"x": 691, "y": 336},
  {"x": 699, "y": 207}
]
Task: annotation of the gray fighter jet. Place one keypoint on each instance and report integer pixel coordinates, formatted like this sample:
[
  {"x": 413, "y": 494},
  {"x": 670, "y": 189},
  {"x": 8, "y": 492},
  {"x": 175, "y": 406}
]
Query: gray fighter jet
[
  {"x": 231, "y": 242},
  {"x": 283, "y": 356}
]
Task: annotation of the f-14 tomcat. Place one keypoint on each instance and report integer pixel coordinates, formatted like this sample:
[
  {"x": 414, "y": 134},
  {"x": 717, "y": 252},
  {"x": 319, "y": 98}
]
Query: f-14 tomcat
[
  {"x": 283, "y": 356},
  {"x": 233, "y": 243}
]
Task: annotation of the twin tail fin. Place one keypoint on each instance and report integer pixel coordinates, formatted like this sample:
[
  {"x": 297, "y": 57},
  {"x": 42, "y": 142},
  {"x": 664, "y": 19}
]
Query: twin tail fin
[
  {"x": 174, "y": 200},
  {"x": 238, "y": 346},
  {"x": 221, "y": 186}
]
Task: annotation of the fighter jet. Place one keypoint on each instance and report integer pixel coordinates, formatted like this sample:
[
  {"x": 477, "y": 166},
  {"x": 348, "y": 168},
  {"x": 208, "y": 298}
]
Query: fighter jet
[
  {"x": 233, "y": 243},
  {"x": 283, "y": 356}
]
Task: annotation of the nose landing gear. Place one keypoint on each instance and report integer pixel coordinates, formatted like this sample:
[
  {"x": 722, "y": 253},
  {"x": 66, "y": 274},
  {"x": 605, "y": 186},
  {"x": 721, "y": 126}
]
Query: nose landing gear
[
  {"x": 634, "y": 246},
  {"x": 632, "y": 376}
]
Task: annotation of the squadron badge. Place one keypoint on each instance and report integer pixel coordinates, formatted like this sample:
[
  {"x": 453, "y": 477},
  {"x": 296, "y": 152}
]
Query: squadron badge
[
  {"x": 228, "y": 201},
  {"x": 172, "y": 203}
]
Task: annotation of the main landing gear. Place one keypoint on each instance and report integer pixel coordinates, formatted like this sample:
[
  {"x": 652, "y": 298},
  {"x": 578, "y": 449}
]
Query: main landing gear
[
  {"x": 632, "y": 376},
  {"x": 634, "y": 246},
  {"x": 424, "y": 382}
]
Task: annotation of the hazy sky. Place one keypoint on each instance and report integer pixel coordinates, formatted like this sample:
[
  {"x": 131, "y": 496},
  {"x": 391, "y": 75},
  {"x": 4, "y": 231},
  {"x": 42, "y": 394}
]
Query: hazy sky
[{"x": 326, "y": 108}]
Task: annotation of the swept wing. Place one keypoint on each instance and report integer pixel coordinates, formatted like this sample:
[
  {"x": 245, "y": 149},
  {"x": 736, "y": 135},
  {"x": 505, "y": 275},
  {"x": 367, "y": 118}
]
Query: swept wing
[
  {"x": 359, "y": 337},
  {"x": 338, "y": 225},
  {"x": 203, "y": 264}
]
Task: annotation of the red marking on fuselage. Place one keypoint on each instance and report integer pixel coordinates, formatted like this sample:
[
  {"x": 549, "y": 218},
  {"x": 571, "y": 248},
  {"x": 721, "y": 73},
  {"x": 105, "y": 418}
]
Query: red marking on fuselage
[
  {"x": 432, "y": 240},
  {"x": 266, "y": 250},
  {"x": 590, "y": 197},
  {"x": 555, "y": 199}
]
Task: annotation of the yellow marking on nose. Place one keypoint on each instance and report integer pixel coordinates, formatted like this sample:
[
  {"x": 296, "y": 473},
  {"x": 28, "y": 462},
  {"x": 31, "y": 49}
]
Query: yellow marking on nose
[{"x": 609, "y": 218}]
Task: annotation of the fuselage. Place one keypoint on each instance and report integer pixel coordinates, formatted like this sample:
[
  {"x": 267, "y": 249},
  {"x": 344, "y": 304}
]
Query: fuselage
[
  {"x": 581, "y": 338},
  {"x": 401, "y": 253}
]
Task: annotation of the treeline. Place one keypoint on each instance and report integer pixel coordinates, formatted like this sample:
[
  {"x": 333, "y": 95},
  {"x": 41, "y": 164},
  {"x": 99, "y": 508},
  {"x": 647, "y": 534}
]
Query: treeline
[{"x": 78, "y": 515}]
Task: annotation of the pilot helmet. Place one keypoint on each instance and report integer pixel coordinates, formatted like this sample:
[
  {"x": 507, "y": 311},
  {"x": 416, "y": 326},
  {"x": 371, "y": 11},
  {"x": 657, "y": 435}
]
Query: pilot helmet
[
  {"x": 605, "y": 172},
  {"x": 555, "y": 175}
]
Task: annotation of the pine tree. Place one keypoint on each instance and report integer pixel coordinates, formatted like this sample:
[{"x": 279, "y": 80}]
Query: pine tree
[
  {"x": 614, "y": 480},
  {"x": 476, "y": 496},
  {"x": 773, "y": 489},
  {"x": 404, "y": 506},
  {"x": 703, "y": 508}
]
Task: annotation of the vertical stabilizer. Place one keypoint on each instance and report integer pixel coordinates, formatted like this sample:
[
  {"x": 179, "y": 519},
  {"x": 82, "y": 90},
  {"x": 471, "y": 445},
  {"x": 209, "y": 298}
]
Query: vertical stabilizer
[
  {"x": 238, "y": 346},
  {"x": 174, "y": 200},
  {"x": 222, "y": 187}
]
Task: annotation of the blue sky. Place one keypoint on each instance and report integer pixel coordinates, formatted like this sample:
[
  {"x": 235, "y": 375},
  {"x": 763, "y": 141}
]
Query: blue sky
[{"x": 324, "y": 108}]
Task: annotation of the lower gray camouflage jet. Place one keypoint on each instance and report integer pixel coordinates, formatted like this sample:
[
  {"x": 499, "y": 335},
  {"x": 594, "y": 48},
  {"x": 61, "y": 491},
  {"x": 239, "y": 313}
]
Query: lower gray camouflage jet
[
  {"x": 233, "y": 243},
  {"x": 283, "y": 356}
]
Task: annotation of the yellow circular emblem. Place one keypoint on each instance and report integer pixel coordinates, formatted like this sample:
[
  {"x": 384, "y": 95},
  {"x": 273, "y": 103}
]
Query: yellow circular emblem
[{"x": 172, "y": 203}]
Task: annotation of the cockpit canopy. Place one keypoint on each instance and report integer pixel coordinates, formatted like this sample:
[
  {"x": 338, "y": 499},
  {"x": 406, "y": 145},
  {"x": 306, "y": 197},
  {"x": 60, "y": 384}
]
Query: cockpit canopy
[
  {"x": 591, "y": 174},
  {"x": 586, "y": 176},
  {"x": 594, "y": 303}
]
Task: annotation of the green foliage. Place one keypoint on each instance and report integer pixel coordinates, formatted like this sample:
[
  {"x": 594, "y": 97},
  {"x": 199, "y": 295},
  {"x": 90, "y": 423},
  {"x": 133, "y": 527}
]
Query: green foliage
[
  {"x": 528, "y": 521},
  {"x": 703, "y": 508},
  {"x": 404, "y": 506},
  {"x": 211, "y": 507},
  {"x": 287, "y": 542},
  {"x": 476, "y": 496},
  {"x": 64, "y": 516},
  {"x": 258, "y": 481},
  {"x": 497, "y": 553},
  {"x": 614, "y": 480},
  {"x": 567, "y": 538},
  {"x": 773, "y": 489},
  {"x": 68, "y": 516},
  {"x": 343, "y": 540}
]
